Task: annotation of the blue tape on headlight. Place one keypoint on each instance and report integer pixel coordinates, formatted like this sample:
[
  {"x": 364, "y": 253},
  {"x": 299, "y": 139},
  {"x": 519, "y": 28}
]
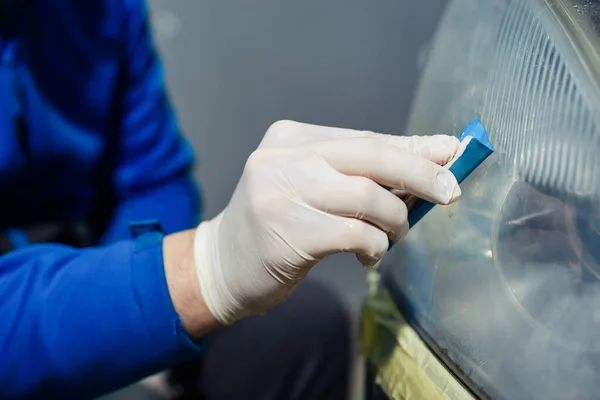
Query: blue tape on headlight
[{"x": 478, "y": 149}]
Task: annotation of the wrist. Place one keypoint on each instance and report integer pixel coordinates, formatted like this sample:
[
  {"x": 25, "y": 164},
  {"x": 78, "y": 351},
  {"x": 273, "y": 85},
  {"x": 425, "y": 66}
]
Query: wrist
[{"x": 183, "y": 284}]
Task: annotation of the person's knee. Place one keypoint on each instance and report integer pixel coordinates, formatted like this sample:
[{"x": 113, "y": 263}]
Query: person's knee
[
  {"x": 301, "y": 349},
  {"x": 317, "y": 316}
]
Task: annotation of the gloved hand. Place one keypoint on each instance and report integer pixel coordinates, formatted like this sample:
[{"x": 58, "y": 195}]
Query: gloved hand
[{"x": 307, "y": 192}]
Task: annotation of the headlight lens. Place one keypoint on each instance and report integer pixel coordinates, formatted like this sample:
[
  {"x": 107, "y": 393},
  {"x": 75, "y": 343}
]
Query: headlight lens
[{"x": 505, "y": 284}]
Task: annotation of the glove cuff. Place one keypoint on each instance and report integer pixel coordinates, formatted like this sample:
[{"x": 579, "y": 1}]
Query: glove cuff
[{"x": 210, "y": 274}]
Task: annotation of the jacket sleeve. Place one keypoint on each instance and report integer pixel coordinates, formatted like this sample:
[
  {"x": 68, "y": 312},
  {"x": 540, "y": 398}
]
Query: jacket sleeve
[
  {"x": 80, "y": 323},
  {"x": 152, "y": 177}
]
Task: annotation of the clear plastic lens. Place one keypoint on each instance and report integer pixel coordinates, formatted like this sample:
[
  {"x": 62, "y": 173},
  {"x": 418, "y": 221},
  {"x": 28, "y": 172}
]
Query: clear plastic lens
[
  {"x": 505, "y": 284},
  {"x": 537, "y": 111}
]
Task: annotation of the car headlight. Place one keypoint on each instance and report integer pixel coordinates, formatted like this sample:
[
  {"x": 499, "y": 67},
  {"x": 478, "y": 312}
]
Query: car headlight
[{"x": 505, "y": 284}]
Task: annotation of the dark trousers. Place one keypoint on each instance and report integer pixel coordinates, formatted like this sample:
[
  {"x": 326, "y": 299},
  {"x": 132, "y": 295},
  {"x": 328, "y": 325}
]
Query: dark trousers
[{"x": 300, "y": 350}]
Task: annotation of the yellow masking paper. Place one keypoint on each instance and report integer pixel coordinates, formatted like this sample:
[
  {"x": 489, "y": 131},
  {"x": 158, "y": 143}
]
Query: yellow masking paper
[{"x": 406, "y": 368}]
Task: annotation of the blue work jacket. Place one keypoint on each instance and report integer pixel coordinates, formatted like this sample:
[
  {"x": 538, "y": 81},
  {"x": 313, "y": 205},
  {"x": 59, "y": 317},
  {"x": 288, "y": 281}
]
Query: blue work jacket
[{"x": 86, "y": 125}]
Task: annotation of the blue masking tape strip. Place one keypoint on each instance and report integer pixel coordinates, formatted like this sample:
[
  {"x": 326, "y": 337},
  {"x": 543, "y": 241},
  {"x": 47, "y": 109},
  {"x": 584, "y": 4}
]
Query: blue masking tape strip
[{"x": 478, "y": 149}]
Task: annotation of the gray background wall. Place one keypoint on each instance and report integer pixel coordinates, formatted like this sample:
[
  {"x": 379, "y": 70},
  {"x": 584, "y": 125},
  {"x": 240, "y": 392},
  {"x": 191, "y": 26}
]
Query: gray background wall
[{"x": 235, "y": 66}]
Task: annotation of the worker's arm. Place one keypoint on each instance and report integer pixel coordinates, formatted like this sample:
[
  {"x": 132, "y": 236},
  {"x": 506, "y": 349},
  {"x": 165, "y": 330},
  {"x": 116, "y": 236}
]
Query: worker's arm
[
  {"x": 152, "y": 169},
  {"x": 80, "y": 323}
]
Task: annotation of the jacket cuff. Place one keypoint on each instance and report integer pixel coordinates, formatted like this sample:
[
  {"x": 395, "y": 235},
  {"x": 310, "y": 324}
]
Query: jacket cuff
[{"x": 149, "y": 282}]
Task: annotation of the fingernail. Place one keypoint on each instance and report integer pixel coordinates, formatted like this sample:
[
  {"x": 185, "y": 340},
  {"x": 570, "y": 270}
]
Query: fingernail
[
  {"x": 400, "y": 233},
  {"x": 366, "y": 261},
  {"x": 444, "y": 147},
  {"x": 448, "y": 186},
  {"x": 445, "y": 141}
]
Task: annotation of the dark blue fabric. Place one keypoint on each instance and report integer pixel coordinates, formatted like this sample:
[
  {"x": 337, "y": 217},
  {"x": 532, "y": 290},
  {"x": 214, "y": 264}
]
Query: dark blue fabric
[
  {"x": 101, "y": 142},
  {"x": 101, "y": 131},
  {"x": 146, "y": 232}
]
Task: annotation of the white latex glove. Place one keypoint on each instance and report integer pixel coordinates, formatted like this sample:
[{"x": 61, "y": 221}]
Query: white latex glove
[{"x": 308, "y": 192}]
